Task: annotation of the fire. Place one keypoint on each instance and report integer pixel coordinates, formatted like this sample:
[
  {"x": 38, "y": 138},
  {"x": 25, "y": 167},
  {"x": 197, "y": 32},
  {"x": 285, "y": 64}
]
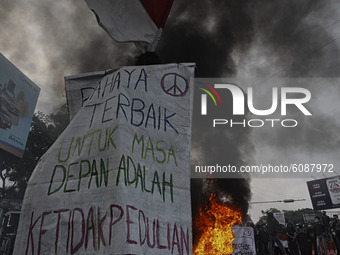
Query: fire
[{"x": 215, "y": 223}]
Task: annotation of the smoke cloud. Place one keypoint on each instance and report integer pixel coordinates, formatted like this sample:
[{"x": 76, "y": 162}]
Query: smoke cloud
[
  {"x": 207, "y": 32},
  {"x": 226, "y": 38},
  {"x": 49, "y": 40},
  {"x": 302, "y": 39}
]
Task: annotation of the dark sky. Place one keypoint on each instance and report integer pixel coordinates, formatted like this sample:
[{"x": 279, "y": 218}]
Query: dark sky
[{"x": 49, "y": 39}]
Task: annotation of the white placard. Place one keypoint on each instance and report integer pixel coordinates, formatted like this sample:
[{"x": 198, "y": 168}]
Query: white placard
[
  {"x": 244, "y": 242},
  {"x": 117, "y": 181}
]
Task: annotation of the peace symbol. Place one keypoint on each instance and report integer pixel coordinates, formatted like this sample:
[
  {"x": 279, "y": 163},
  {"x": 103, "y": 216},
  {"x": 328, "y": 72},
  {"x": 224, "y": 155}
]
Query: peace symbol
[
  {"x": 174, "y": 84},
  {"x": 247, "y": 232}
]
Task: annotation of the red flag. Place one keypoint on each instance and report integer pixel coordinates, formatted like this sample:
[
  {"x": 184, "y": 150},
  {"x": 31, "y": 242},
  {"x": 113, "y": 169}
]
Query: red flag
[
  {"x": 131, "y": 20},
  {"x": 158, "y": 10}
]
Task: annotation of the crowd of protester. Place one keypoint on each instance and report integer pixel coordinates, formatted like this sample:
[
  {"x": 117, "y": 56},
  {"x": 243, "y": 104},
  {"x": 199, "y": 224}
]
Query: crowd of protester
[{"x": 303, "y": 238}]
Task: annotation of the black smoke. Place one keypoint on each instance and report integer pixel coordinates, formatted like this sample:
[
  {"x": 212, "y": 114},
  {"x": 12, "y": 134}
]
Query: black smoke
[
  {"x": 206, "y": 32},
  {"x": 303, "y": 40},
  {"x": 50, "y": 40},
  {"x": 298, "y": 41}
]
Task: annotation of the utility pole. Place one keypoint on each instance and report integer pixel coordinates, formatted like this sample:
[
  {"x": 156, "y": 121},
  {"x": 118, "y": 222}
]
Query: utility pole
[{"x": 279, "y": 201}]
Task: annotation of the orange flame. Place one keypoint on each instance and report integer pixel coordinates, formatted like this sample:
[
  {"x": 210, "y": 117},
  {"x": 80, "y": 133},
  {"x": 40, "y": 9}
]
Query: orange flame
[{"x": 215, "y": 223}]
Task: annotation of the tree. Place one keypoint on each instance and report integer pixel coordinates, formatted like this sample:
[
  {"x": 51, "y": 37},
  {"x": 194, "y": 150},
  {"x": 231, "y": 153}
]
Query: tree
[
  {"x": 6, "y": 165},
  {"x": 296, "y": 216},
  {"x": 15, "y": 172},
  {"x": 58, "y": 122}
]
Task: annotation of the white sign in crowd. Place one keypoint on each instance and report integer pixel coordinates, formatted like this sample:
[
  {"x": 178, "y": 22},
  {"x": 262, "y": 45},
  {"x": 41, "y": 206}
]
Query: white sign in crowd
[
  {"x": 117, "y": 181},
  {"x": 244, "y": 242}
]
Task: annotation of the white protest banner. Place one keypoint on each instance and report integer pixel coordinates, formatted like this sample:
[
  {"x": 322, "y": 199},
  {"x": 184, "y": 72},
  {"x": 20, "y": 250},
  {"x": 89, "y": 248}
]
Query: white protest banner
[
  {"x": 280, "y": 217},
  {"x": 117, "y": 181},
  {"x": 244, "y": 242}
]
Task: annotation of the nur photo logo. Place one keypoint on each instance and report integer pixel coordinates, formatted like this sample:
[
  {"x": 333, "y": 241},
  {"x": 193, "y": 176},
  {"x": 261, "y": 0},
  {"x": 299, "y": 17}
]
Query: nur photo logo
[
  {"x": 204, "y": 97},
  {"x": 244, "y": 102}
]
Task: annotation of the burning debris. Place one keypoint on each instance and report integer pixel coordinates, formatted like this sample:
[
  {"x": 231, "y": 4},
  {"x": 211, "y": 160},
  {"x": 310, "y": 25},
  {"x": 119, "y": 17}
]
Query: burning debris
[
  {"x": 215, "y": 223},
  {"x": 217, "y": 205}
]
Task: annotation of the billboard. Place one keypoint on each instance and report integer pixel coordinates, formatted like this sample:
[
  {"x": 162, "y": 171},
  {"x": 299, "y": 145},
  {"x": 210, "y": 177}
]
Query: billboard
[
  {"x": 117, "y": 181},
  {"x": 325, "y": 193},
  {"x": 18, "y": 98}
]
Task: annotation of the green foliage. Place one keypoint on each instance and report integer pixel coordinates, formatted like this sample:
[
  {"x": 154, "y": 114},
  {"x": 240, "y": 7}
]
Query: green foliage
[
  {"x": 295, "y": 216},
  {"x": 15, "y": 172}
]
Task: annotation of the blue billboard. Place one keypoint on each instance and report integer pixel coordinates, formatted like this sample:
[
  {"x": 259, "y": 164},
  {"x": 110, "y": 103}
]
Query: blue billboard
[
  {"x": 325, "y": 193},
  {"x": 18, "y": 98}
]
